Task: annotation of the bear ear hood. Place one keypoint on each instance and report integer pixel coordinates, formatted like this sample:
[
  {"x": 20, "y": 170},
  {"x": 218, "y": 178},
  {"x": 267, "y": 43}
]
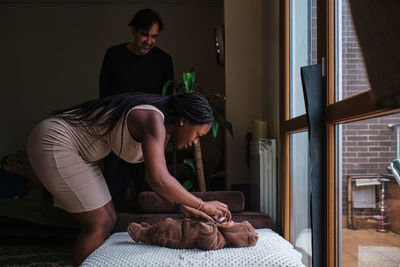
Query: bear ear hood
[
  {"x": 209, "y": 237},
  {"x": 240, "y": 234},
  {"x": 206, "y": 228}
]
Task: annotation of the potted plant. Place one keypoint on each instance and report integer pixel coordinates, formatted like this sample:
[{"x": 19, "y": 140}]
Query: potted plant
[{"x": 188, "y": 85}]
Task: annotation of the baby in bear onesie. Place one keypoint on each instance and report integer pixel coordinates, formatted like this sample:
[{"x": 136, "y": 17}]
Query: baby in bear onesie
[{"x": 188, "y": 233}]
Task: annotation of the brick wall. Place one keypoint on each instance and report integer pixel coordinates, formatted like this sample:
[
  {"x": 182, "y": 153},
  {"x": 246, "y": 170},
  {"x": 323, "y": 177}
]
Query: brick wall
[{"x": 368, "y": 146}]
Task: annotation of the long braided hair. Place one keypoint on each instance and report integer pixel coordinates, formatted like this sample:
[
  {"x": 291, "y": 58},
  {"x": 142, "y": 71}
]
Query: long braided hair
[{"x": 105, "y": 113}]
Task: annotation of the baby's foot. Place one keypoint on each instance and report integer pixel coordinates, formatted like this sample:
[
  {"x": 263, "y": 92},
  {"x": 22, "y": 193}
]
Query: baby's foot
[{"x": 134, "y": 231}]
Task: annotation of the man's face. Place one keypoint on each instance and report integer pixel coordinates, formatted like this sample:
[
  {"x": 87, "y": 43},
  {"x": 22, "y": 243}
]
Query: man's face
[{"x": 143, "y": 40}]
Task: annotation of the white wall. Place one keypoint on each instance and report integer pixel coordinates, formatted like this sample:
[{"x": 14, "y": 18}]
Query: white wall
[
  {"x": 51, "y": 54},
  {"x": 251, "y": 76}
]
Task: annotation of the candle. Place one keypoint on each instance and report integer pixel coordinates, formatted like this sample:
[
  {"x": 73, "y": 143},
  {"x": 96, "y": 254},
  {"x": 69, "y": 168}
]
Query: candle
[{"x": 259, "y": 129}]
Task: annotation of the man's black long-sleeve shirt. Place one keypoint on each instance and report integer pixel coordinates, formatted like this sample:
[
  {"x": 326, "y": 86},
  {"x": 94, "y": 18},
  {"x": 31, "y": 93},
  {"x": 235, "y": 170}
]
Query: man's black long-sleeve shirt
[{"x": 123, "y": 72}]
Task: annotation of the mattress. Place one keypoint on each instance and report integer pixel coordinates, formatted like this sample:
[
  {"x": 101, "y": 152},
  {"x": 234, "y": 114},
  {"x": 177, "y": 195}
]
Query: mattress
[{"x": 120, "y": 250}]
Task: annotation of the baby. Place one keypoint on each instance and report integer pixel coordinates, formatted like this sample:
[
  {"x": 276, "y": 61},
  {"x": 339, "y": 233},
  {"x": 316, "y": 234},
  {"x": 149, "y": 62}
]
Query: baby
[{"x": 188, "y": 233}]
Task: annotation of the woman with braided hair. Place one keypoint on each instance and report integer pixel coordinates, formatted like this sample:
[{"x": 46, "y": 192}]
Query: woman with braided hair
[{"x": 64, "y": 150}]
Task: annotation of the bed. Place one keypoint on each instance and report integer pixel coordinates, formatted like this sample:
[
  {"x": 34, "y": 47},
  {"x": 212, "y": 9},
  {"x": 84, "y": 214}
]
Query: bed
[{"x": 120, "y": 250}]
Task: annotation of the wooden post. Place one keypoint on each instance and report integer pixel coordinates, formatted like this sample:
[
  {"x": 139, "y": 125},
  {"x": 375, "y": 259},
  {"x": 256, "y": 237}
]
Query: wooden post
[
  {"x": 199, "y": 166},
  {"x": 350, "y": 220}
]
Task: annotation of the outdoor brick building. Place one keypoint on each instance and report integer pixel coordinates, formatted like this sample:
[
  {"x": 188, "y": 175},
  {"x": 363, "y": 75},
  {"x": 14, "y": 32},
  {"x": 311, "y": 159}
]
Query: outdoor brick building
[{"x": 368, "y": 146}]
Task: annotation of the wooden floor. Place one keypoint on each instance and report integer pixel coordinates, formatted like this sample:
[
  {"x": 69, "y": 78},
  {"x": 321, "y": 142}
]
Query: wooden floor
[{"x": 376, "y": 248}]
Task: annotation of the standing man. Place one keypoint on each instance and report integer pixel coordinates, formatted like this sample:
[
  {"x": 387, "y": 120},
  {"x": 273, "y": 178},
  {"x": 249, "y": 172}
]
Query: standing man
[{"x": 138, "y": 66}]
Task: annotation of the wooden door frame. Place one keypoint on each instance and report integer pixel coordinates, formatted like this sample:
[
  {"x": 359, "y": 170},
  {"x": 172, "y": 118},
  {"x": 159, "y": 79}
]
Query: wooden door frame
[{"x": 354, "y": 108}]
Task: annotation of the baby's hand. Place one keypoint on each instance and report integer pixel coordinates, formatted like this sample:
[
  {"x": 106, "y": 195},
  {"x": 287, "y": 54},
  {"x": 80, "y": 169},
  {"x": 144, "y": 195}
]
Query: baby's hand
[
  {"x": 219, "y": 218},
  {"x": 227, "y": 224}
]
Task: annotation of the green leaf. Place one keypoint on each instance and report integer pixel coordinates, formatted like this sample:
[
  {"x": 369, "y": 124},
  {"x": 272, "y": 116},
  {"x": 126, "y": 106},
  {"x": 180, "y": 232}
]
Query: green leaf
[
  {"x": 165, "y": 86},
  {"x": 190, "y": 163},
  {"x": 188, "y": 79},
  {"x": 214, "y": 128},
  {"x": 227, "y": 125},
  {"x": 188, "y": 184}
]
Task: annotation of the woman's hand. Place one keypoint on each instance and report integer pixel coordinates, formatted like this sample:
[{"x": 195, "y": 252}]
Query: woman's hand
[
  {"x": 192, "y": 213},
  {"x": 215, "y": 208}
]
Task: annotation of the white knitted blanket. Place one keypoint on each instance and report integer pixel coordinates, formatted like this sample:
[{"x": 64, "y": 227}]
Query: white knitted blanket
[{"x": 120, "y": 250}]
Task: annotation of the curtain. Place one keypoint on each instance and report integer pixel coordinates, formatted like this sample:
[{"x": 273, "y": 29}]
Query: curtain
[
  {"x": 377, "y": 24},
  {"x": 315, "y": 101}
]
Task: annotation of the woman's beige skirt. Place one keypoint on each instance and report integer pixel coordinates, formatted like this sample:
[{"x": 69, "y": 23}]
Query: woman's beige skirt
[{"x": 77, "y": 185}]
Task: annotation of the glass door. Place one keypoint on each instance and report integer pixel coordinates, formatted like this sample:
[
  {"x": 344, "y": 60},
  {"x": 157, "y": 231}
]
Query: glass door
[
  {"x": 302, "y": 51},
  {"x": 368, "y": 194},
  {"x": 362, "y": 144}
]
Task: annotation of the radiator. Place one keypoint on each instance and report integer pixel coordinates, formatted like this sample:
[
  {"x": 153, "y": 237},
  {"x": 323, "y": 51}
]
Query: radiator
[{"x": 263, "y": 178}]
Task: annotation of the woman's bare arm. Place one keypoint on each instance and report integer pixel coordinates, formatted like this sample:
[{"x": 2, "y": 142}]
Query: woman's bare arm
[{"x": 148, "y": 127}]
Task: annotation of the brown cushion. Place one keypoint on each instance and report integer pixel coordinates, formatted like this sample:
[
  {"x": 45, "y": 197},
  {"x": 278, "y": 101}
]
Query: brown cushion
[{"x": 151, "y": 202}]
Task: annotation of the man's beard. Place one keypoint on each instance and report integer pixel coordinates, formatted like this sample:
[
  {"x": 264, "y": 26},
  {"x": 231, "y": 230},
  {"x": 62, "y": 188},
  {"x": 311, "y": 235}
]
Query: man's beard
[{"x": 146, "y": 48}]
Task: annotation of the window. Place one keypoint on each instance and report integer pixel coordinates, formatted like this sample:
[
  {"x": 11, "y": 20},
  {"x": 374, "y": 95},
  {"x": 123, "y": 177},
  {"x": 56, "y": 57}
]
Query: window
[
  {"x": 302, "y": 51},
  {"x": 365, "y": 188},
  {"x": 300, "y": 195},
  {"x": 351, "y": 72},
  {"x": 362, "y": 140},
  {"x": 369, "y": 231}
]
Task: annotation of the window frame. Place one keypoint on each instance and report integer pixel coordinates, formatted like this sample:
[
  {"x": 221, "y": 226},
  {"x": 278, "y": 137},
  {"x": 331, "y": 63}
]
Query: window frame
[{"x": 358, "y": 107}]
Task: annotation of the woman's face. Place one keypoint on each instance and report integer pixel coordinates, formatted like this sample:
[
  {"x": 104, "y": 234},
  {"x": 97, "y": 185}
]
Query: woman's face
[{"x": 186, "y": 133}]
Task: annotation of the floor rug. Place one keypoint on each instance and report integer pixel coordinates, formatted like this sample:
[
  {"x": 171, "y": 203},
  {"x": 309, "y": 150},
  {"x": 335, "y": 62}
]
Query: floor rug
[
  {"x": 45, "y": 255},
  {"x": 378, "y": 256}
]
